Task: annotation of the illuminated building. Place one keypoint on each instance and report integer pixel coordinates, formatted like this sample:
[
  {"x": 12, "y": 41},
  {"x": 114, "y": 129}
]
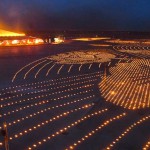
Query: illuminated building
[{"x": 15, "y": 39}]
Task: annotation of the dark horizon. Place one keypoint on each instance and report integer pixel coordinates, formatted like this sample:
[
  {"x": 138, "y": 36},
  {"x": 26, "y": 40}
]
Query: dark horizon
[{"x": 102, "y": 15}]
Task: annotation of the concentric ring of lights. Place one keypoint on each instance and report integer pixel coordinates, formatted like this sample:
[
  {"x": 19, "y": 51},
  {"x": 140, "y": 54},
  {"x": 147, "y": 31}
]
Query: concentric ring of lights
[
  {"x": 82, "y": 57},
  {"x": 128, "y": 85}
]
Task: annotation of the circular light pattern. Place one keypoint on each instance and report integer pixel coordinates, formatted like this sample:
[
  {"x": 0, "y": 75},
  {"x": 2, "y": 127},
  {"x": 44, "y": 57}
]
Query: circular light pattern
[
  {"x": 147, "y": 52},
  {"x": 141, "y": 51},
  {"x": 128, "y": 85},
  {"x": 129, "y": 41},
  {"x": 82, "y": 57},
  {"x": 34, "y": 107},
  {"x": 72, "y": 58}
]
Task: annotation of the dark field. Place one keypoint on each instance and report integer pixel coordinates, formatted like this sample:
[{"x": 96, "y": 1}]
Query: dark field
[{"x": 90, "y": 94}]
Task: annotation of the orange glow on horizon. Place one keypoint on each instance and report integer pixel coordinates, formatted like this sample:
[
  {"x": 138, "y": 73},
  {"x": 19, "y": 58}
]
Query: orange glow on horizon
[
  {"x": 90, "y": 39},
  {"x": 4, "y": 33}
]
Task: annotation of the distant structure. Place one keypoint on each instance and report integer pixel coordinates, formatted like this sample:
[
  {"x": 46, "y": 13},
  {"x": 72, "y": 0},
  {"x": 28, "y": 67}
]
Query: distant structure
[
  {"x": 57, "y": 40},
  {"x": 8, "y": 38}
]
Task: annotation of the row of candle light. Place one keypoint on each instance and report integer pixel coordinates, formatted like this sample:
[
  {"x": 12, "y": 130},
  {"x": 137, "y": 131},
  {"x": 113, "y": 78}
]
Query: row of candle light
[
  {"x": 39, "y": 143},
  {"x": 51, "y": 82},
  {"x": 125, "y": 86},
  {"x": 126, "y": 131},
  {"x": 91, "y": 133}
]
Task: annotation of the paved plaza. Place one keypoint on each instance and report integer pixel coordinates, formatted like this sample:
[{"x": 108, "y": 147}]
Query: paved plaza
[{"x": 83, "y": 95}]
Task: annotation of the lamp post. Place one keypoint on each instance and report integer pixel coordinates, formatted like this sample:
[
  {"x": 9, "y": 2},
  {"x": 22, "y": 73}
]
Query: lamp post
[
  {"x": 6, "y": 136},
  {"x": 105, "y": 75},
  {"x": 4, "y": 133}
]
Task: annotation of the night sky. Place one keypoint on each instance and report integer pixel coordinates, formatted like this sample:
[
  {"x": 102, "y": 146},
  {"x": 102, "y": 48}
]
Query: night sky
[{"x": 124, "y": 15}]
